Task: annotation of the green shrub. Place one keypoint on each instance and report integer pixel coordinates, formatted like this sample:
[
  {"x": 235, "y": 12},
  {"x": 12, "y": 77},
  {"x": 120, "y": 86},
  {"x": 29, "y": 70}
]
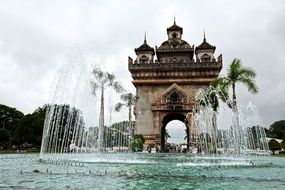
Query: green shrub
[
  {"x": 274, "y": 145},
  {"x": 32, "y": 150},
  {"x": 137, "y": 143},
  {"x": 9, "y": 151}
]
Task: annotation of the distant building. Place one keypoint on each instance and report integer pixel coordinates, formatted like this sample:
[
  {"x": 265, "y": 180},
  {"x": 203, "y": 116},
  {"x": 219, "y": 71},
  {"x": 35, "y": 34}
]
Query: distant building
[{"x": 278, "y": 140}]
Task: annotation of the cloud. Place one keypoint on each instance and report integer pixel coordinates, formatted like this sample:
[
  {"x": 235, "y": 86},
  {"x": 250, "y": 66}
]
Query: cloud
[{"x": 35, "y": 36}]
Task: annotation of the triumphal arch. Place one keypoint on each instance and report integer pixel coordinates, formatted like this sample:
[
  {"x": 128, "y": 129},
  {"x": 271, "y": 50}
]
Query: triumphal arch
[{"x": 166, "y": 80}]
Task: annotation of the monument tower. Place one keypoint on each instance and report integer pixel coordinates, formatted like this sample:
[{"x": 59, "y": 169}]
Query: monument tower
[{"x": 166, "y": 85}]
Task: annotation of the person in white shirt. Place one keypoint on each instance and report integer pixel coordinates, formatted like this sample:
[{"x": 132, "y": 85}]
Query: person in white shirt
[{"x": 72, "y": 146}]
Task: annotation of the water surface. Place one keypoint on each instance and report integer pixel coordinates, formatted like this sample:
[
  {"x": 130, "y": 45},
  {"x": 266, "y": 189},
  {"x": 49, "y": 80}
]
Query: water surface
[{"x": 156, "y": 172}]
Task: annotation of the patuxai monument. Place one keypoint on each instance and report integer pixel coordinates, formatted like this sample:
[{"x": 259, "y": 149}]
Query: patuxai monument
[
  {"x": 166, "y": 80},
  {"x": 171, "y": 114}
]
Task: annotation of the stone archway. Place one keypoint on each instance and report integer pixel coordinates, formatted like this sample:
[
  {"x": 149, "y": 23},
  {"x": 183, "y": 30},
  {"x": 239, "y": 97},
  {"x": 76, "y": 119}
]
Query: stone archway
[
  {"x": 173, "y": 103},
  {"x": 166, "y": 82},
  {"x": 170, "y": 117}
]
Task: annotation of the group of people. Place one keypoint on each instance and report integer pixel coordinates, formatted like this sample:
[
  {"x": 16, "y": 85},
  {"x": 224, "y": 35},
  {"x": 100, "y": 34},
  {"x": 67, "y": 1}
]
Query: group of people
[{"x": 152, "y": 149}]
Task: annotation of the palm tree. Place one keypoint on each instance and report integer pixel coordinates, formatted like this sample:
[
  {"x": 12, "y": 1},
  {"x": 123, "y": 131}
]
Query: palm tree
[
  {"x": 101, "y": 81},
  {"x": 211, "y": 97},
  {"x": 166, "y": 135},
  {"x": 214, "y": 92},
  {"x": 128, "y": 100},
  {"x": 237, "y": 73}
]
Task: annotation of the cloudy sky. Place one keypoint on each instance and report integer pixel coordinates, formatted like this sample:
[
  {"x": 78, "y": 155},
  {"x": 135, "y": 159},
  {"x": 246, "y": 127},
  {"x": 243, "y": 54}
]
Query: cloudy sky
[{"x": 36, "y": 35}]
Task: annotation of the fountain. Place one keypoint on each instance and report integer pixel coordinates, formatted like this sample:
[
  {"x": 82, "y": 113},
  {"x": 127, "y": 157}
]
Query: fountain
[
  {"x": 225, "y": 133},
  {"x": 71, "y": 132}
]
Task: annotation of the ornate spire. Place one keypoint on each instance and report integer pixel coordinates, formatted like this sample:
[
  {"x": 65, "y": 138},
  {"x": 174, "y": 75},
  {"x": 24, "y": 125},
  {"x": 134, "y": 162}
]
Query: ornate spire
[
  {"x": 174, "y": 27},
  {"x": 205, "y": 45},
  {"x": 144, "y": 47}
]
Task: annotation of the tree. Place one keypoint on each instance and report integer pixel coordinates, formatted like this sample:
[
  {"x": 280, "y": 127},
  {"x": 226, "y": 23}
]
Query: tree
[
  {"x": 9, "y": 117},
  {"x": 277, "y": 129},
  {"x": 274, "y": 145},
  {"x": 137, "y": 143},
  {"x": 117, "y": 134},
  {"x": 101, "y": 81},
  {"x": 257, "y": 134},
  {"x": 166, "y": 135},
  {"x": 214, "y": 92},
  {"x": 30, "y": 128},
  {"x": 4, "y": 138},
  {"x": 128, "y": 100},
  {"x": 63, "y": 124},
  {"x": 237, "y": 73}
]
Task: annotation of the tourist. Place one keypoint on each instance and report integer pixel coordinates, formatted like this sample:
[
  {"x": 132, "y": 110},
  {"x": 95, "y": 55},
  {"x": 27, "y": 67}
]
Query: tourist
[
  {"x": 179, "y": 149},
  {"x": 157, "y": 148},
  {"x": 199, "y": 149},
  {"x": 72, "y": 146},
  {"x": 149, "y": 149}
]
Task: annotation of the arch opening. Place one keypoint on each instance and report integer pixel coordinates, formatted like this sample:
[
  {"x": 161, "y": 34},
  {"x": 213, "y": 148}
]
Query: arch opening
[{"x": 174, "y": 133}]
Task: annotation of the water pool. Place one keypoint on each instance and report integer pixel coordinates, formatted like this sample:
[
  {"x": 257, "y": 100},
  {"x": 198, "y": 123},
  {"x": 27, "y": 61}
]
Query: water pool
[{"x": 26, "y": 172}]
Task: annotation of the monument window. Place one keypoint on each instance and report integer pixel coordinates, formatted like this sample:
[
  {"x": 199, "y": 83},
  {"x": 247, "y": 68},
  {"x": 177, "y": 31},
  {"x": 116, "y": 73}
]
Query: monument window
[
  {"x": 174, "y": 98},
  {"x": 144, "y": 59},
  {"x": 206, "y": 58}
]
